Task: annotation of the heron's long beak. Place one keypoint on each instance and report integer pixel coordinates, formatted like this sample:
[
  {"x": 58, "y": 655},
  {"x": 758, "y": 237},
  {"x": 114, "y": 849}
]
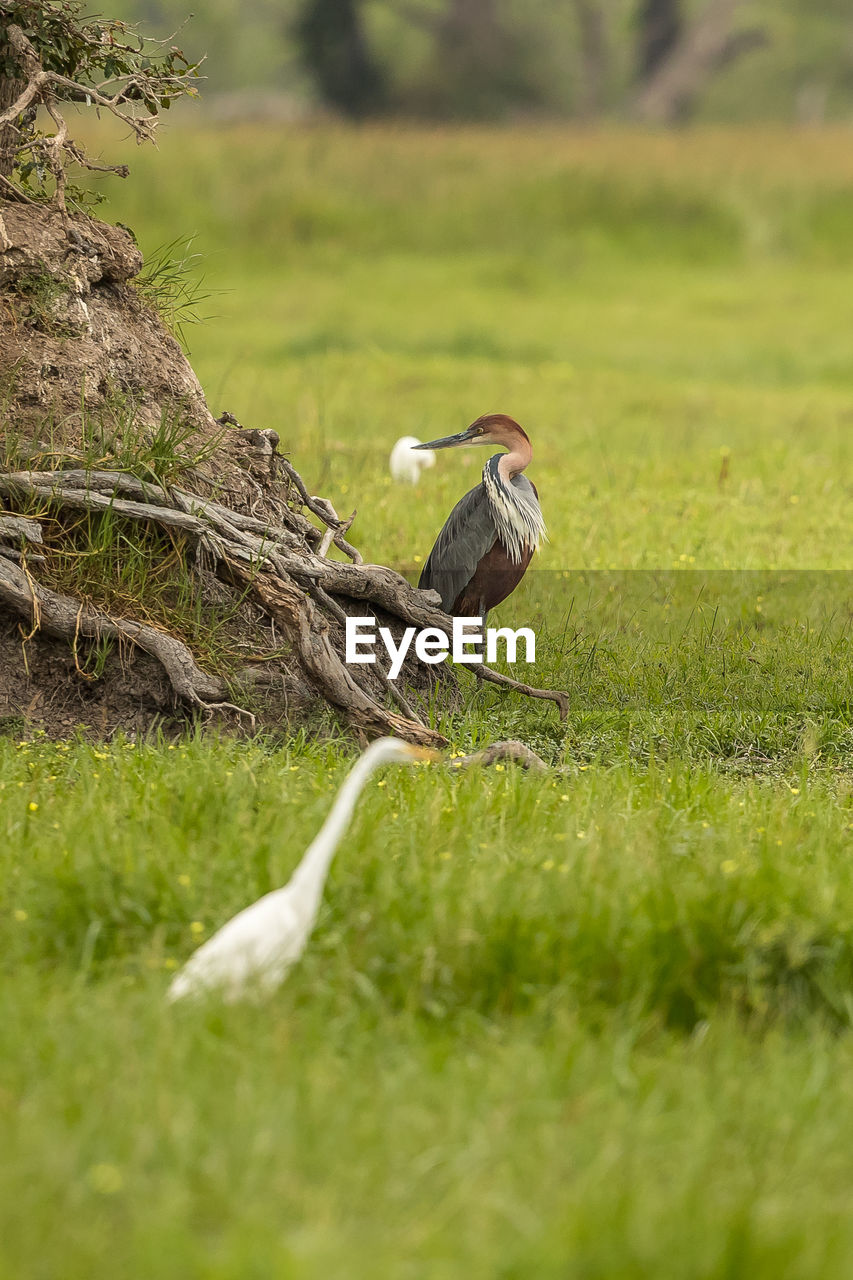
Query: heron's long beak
[
  {"x": 424, "y": 753},
  {"x": 448, "y": 442}
]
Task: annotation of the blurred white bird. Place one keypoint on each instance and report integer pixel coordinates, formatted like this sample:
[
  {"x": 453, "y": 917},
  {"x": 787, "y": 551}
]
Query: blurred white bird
[
  {"x": 252, "y": 953},
  {"x": 405, "y": 464}
]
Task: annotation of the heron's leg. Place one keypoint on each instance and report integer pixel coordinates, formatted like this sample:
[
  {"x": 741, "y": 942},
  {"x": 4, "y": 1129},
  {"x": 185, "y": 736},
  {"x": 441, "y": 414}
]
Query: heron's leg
[{"x": 484, "y": 620}]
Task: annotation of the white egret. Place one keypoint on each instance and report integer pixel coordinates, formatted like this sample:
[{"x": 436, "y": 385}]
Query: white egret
[
  {"x": 405, "y": 463},
  {"x": 252, "y": 953}
]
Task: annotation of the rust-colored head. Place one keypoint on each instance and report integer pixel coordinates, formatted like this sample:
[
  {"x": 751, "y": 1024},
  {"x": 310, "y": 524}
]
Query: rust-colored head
[{"x": 491, "y": 428}]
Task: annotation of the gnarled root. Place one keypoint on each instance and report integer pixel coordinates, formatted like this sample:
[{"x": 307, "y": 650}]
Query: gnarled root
[
  {"x": 67, "y": 619},
  {"x": 281, "y": 566},
  {"x": 309, "y": 634}
]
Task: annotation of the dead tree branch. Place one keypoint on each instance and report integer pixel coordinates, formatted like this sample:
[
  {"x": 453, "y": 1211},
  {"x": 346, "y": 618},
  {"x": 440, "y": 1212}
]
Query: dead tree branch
[
  {"x": 324, "y": 511},
  {"x": 309, "y": 633},
  {"x": 15, "y": 528}
]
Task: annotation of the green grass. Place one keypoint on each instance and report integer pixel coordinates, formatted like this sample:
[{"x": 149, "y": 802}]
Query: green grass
[
  {"x": 598, "y": 1017},
  {"x": 590, "y": 1023},
  {"x": 639, "y": 303}
]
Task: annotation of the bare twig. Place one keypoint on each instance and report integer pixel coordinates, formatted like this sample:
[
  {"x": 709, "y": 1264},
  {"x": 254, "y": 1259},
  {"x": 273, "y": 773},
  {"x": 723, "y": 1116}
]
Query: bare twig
[
  {"x": 320, "y": 507},
  {"x": 55, "y": 146},
  {"x": 231, "y": 706},
  {"x": 15, "y": 193},
  {"x": 482, "y": 672},
  {"x": 400, "y": 699}
]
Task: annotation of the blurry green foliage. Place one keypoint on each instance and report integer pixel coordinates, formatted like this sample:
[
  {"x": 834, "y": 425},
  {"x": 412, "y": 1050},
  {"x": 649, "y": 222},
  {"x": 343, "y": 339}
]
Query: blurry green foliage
[{"x": 805, "y": 70}]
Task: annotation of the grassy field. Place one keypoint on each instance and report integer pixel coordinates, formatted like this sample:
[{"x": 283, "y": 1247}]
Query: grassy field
[{"x": 594, "y": 1022}]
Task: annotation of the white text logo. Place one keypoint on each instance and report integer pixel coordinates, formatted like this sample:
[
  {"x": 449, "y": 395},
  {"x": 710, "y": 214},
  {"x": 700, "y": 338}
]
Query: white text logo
[{"x": 433, "y": 645}]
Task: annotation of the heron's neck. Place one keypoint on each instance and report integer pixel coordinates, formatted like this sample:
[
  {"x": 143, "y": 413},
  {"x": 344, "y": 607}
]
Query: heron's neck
[
  {"x": 514, "y": 462},
  {"x": 314, "y": 867}
]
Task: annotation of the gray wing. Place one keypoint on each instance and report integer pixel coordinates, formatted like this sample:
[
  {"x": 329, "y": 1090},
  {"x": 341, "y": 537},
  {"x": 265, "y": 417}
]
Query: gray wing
[
  {"x": 468, "y": 534},
  {"x": 526, "y": 488}
]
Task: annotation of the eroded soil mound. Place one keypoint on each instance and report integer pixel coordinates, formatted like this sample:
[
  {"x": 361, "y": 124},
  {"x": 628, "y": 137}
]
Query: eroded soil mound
[{"x": 82, "y": 352}]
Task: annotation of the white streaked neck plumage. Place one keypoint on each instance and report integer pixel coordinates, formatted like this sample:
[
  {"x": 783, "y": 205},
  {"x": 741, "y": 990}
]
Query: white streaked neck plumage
[{"x": 518, "y": 516}]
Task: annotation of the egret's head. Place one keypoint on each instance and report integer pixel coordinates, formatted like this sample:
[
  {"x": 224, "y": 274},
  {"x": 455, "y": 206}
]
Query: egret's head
[
  {"x": 407, "y": 464},
  {"x": 491, "y": 429},
  {"x": 396, "y": 751}
]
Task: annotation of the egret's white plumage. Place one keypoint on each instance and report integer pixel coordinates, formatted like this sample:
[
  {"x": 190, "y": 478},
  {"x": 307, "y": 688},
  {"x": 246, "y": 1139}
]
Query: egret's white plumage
[
  {"x": 405, "y": 464},
  {"x": 251, "y": 954}
]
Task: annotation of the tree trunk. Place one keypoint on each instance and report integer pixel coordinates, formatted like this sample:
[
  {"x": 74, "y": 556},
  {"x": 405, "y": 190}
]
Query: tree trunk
[
  {"x": 594, "y": 58},
  {"x": 706, "y": 46},
  {"x": 659, "y": 26},
  {"x": 335, "y": 50},
  {"x": 473, "y": 70}
]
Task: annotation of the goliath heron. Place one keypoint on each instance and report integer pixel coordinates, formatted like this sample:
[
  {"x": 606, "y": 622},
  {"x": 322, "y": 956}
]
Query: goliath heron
[
  {"x": 406, "y": 463},
  {"x": 254, "y": 950},
  {"x": 489, "y": 538}
]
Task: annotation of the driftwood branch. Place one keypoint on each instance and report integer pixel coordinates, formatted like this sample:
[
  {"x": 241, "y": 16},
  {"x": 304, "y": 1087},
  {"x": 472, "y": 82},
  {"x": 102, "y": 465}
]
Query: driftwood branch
[
  {"x": 319, "y": 507},
  {"x": 324, "y": 511},
  {"x": 92, "y": 500}
]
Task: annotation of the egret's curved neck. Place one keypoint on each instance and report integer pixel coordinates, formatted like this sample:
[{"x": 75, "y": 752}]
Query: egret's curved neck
[
  {"x": 314, "y": 867},
  {"x": 519, "y": 456}
]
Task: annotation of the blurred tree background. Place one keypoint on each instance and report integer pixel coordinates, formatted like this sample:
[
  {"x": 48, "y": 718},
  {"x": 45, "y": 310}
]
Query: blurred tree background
[{"x": 660, "y": 60}]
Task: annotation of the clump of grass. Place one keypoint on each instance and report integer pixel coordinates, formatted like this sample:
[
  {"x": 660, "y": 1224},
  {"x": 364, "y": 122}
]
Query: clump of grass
[
  {"x": 115, "y": 436},
  {"x": 127, "y": 567},
  {"x": 35, "y": 293},
  {"x": 140, "y": 571},
  {"x": 169, "y": 282}
]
